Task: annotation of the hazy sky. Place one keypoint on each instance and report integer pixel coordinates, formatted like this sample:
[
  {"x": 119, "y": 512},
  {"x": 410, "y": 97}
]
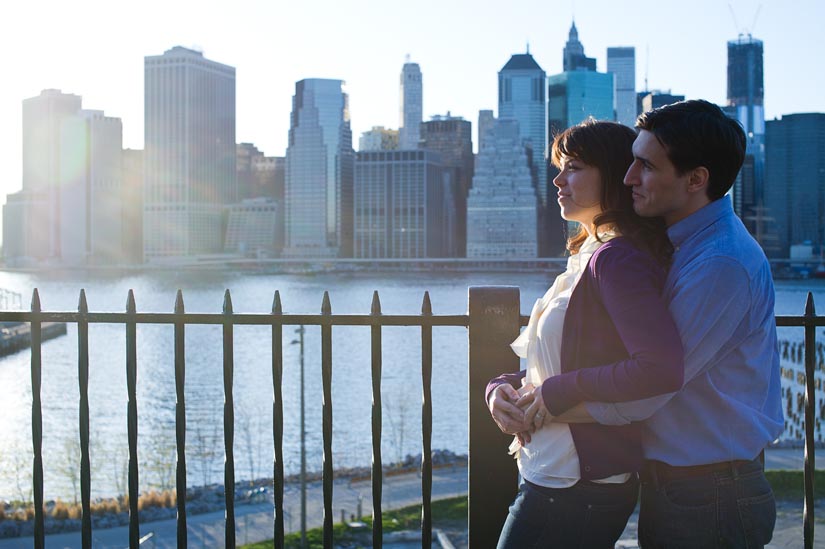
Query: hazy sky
[{"x": 95, "y": 49}]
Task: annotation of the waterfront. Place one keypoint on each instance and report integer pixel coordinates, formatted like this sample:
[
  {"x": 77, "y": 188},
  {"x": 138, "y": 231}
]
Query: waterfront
[{"x": 401, "y": 293}]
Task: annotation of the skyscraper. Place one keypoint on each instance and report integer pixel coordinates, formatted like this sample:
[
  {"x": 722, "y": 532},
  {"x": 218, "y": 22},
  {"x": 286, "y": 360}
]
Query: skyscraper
[
  {"x": 451, "y": 137},
  {"x": 132, "y": 199},
  {"x": 91, "y": 176},
  {"x": 621, "y": 62},
  {"x": 794, "y": 183},
  {"x": 521, "y": 97},
  {"x": 404, "y": 205},
  {"x": 502, "y": 207},
  {"x": 39, "y": 201},
  {"x": 486, "y": 121},
  {"x": 378, "y": 139},
  {"x": 411, "y": 106},
  {"x": 189, "y": 156},
  {"x": 653, "y": 99},
  {"x": 574, "y": 57},
  {"x": 746, "y": 104},
  {"x": 319, "y": 171},
  {"x": 574, "y": 96}
]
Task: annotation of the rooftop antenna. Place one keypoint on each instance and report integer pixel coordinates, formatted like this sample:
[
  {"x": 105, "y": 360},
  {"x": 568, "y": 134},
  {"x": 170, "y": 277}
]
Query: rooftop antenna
[
  {"x": 647, "y": 64},
  {"x": 528, "y": 47},
  {"x": 407, "y": 58}
]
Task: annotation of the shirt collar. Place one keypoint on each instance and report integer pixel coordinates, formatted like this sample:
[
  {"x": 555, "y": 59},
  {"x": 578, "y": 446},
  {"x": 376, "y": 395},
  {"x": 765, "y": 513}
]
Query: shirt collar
[{"x": 699, "y": 220}]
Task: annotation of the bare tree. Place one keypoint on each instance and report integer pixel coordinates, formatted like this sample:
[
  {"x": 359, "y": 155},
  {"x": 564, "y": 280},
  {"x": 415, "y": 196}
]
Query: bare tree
[
  {"x": 397, "y": 410},
  {"x": 69, "y": 466}
]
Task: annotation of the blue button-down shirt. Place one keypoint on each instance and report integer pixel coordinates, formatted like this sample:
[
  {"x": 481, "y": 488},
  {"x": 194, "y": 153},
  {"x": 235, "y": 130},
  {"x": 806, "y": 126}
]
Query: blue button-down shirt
[{"x": 721, "y": 296}]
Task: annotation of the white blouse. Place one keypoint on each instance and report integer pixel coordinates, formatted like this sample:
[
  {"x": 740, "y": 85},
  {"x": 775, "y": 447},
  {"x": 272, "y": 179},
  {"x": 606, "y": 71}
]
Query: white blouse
[{"x": 550, "y": 458}]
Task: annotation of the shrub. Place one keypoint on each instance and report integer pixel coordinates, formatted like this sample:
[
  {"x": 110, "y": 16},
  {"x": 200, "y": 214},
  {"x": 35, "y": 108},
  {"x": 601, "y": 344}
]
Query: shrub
[{"x": 60, "y": 511}]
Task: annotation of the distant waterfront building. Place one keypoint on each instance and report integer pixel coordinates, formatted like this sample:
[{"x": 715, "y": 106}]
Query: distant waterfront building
[
  {"x": 451, "y": 137},
  {"x": 259, "y": 175},
  {"x": 502, "y": 207},
  {"x": 35, "y": 210},
  {"x": 521, "y": 97},
  {"x": 746, "y": 104},
  {"x": 574, "y": 57},
  {"x": 254, "y": 228},
  {"x": 379, "y": 139},
  {"x": 319, "y": 172},
  {"x": 404, "y": 205},
  {"x": 189, "y": 156},
  {"x": 91, "y": 180},
  {"x": 132, "y": 193},
  {"x": 653, "y": 99},
  {"x": 794, "y": 204},
  {"x": 411, "y": 106},
  {"x": 621, "y": 61}
]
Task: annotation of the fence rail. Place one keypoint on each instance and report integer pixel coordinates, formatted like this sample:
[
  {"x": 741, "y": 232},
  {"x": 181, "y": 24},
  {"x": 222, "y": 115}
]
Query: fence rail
[{"x": 493, "y": 320}]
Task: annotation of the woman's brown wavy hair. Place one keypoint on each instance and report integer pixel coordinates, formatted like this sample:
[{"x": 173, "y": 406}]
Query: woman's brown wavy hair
[{"x": 607, "y": 147}]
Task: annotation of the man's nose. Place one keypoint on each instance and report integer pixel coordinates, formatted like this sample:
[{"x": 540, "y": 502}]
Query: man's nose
[{"x": 630, "y": 178}]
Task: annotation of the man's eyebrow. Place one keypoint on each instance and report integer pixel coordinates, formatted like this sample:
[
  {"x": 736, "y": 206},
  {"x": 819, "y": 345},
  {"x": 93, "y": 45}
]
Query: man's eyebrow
[{"x": 643, "y": 159}]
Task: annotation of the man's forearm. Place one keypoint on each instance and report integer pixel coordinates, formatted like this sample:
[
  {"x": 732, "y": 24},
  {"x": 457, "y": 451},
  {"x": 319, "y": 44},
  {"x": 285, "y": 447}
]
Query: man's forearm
[{"x": 576, "y": 414}]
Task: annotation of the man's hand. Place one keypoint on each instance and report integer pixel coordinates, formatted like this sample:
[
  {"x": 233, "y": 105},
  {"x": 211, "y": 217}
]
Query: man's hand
[{"x": 508, "y": 416}]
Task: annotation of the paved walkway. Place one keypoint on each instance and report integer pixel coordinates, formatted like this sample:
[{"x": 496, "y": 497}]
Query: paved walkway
[{"x": 254, "y": 522}]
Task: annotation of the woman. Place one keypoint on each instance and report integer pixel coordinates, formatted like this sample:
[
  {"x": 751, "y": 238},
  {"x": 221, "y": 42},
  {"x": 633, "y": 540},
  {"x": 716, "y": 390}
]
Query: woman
[{"x": 601, "y": 333}]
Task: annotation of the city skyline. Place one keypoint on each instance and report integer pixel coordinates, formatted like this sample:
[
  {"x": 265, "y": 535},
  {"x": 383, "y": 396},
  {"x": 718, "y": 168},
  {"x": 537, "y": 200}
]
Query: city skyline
[{"x": 104, "y": 63}]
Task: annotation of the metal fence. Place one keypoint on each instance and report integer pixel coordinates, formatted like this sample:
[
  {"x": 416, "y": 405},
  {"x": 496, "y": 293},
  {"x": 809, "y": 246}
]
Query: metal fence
[{"x": 493, "y": 321}]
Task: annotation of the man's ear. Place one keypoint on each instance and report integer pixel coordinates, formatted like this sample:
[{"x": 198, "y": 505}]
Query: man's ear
[{"x": 698, "y": 179}]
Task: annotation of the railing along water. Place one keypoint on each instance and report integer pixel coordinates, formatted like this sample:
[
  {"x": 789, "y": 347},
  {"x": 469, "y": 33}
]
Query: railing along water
[
  {"x": 493, "y": 321},
  {"x": 228, "y": 319}
]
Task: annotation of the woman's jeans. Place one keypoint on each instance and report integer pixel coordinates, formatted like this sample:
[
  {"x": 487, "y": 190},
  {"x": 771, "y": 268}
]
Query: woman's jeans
[
  {"x": 588, "y": 515},
  {"x": 730, "y": 508}
]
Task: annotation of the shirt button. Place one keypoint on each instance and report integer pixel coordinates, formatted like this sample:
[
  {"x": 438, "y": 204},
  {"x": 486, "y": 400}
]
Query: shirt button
[{"x": 587, "y": 468}]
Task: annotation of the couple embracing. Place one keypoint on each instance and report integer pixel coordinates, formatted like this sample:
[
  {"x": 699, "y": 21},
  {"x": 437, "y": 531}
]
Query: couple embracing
[{"x": 652, "y": 360}]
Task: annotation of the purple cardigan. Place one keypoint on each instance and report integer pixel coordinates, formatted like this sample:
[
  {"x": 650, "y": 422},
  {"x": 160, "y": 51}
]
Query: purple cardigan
[{"x": 619, "y": 343}]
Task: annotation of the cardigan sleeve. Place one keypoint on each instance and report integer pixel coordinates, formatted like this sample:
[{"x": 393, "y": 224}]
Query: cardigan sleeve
[
  {"x": 628, "y": 282},
  {"x": 513, "y": 379}
]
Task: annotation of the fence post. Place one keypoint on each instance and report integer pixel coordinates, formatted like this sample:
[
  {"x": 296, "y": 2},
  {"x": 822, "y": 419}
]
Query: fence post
[{"x": 493, "y": 325}]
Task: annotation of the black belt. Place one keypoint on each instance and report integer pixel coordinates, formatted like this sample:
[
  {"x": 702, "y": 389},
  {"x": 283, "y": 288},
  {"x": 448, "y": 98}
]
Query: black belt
[{"x": 659, "y": 471}]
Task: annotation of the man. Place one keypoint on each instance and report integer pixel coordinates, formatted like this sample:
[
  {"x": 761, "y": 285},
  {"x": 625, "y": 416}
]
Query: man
[{"x": 702, "y": 481}]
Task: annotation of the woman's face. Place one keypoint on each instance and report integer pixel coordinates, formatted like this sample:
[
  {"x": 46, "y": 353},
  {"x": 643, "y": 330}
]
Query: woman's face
[{"x": 580, "y": 189}]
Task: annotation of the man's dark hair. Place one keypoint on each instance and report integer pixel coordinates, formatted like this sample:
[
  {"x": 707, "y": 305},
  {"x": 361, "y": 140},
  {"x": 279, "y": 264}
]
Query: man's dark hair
[{"x": 697, "y": 133}]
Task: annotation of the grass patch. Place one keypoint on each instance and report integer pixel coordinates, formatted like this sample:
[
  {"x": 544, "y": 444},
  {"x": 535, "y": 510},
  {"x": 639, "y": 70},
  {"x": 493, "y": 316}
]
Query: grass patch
[
  {"x": 790, "y": 484},
  {"x": 445, "y": 511}
]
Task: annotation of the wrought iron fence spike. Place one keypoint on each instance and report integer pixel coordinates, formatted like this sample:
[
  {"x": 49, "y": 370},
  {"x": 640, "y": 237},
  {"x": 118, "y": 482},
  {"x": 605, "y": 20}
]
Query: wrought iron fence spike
[
  {"x": 82, "y": 306},
  {"x": 227, "y": 302},
  {"x": 376, "y": 304},
  {"x": 35, "y": 301},
  {"x": 426, "y": 306},
  {"x": 179, "y": 301}
]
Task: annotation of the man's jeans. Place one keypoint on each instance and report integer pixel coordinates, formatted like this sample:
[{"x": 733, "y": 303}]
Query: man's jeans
[
  {"x": 588, "y": 515},
  {"x": 731, "y": 509}
]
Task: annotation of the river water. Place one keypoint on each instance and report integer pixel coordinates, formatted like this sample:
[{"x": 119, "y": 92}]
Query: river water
[{"x": 401, "y": 293}]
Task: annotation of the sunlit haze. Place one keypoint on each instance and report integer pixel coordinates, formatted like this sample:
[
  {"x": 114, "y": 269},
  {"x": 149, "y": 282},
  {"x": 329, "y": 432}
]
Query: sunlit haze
[{"x": 95, "y": 49}]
